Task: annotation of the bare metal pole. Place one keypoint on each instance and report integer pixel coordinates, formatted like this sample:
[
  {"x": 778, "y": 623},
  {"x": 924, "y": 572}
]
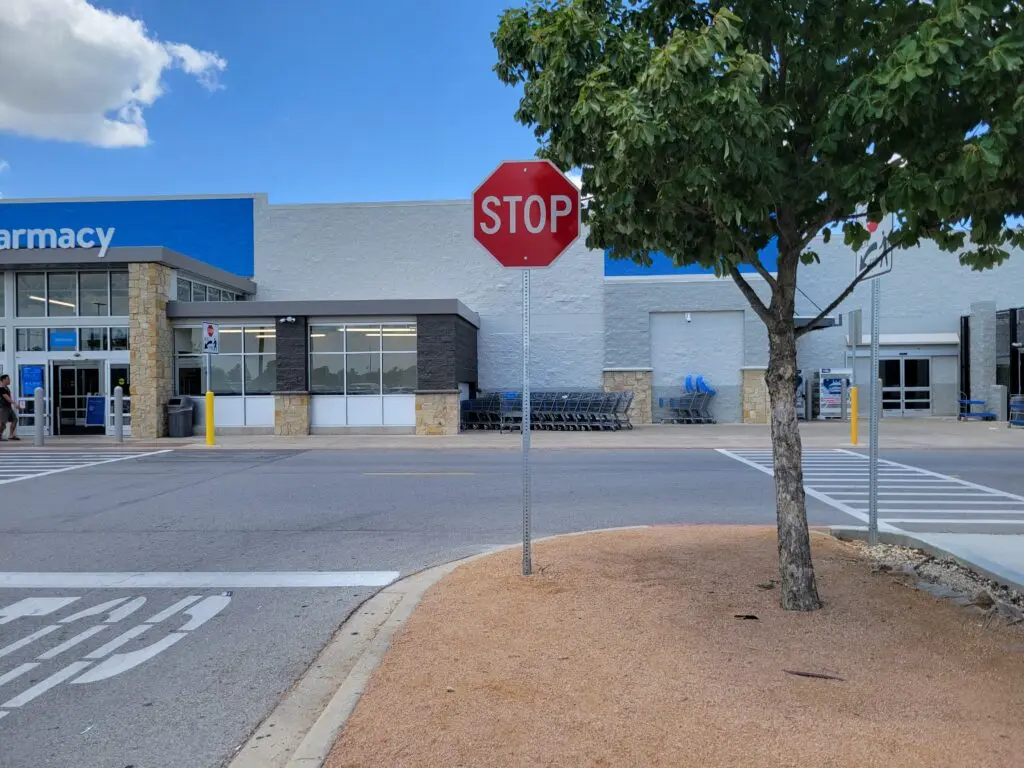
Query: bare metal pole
[
  {"x": 876, "y": 395},
  {"x": 527, "y": 554}
]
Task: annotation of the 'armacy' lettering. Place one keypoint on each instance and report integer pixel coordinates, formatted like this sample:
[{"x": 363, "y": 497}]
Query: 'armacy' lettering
[{"x": 86, "y": 237}]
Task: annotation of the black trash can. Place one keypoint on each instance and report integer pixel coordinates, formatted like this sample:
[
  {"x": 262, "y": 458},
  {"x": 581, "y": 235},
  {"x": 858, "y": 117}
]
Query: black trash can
[{"x": 180, "y": 413}]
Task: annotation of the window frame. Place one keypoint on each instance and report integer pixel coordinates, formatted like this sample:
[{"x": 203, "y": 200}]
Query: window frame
[
  {"x": 346, "y": 329},
  {"x": 205, "y": 361}
]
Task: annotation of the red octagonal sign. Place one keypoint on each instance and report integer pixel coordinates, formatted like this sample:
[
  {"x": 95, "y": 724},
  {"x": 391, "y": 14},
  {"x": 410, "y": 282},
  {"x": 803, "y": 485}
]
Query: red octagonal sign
[{"x": 526, "y": 213}]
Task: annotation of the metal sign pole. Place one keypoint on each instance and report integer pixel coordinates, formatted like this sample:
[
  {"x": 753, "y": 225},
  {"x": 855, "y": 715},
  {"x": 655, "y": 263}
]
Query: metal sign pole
[
  {"x": 876, "y": 395},
  {"x": 527, "y": 555}
]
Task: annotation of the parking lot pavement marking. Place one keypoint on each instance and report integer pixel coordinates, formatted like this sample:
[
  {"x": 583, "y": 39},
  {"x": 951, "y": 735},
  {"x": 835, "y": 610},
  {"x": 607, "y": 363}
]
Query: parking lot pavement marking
[
  {"x": 100, "y": 662},
  {"x": 907, "y": 495},
  {"x": 27, "y": 464},
  {"x": 196, "y": 580}
]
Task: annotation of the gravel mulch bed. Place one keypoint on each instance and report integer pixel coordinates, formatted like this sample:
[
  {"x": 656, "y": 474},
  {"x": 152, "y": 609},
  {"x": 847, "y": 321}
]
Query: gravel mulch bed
[{"x": 666, "y": 647}]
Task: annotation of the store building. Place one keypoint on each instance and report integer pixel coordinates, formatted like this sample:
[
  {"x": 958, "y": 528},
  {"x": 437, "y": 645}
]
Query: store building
[{"x": 382, "y": 317}]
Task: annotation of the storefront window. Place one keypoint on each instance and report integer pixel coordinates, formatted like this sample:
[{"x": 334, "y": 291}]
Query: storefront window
[
  {"x": 190, "y": 376},
  {"x": 245, "y": 365},
  {"x": 363, "y": 359},
  {"x": 399, "y": 373},
  {"x": 184, "y": 289},
  {"x": 226, "y": 374},
  {"x": 92, "y": 294},
  {"x": 188, "y": 341},
  {"x": 198, "y": 292},
  {"x": 119, "y": 294},
  {"x": 119, "y": 339},
  {"x": 327, "y": 374},
  {"x": 30, "y": 339},
  {"x": 31, "y": 299},
  {"x": 230, "y": 340},
  {"x": 62, "y": 294},
  {"x": 93, "y": 339}
]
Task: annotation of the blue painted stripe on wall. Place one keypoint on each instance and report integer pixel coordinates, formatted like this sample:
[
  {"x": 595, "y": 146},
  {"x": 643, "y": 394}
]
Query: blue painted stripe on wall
[
  {"x": 216, "y": 231},
  {"x": 662, "y": 265}
]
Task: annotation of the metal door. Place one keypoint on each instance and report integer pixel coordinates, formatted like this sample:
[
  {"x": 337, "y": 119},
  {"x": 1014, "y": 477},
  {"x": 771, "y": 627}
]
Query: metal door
[
  {"x": 74, "y": 384},
  {"x": 906, "y": 386}
]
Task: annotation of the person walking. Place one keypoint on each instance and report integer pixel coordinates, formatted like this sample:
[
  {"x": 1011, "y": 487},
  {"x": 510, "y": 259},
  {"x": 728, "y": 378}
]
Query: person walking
[{"x": 8, "y": 409}]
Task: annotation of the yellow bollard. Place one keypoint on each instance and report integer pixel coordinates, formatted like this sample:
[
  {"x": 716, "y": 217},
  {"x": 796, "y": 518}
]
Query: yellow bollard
[
  {"x": 853, "y": 415},
  {"x": 209, "y": 418}
]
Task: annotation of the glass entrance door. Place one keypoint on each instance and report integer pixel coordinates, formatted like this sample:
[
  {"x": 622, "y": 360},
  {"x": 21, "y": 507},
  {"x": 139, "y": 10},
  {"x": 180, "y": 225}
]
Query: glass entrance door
[
  {"x": 75, "y": 383},
  {"x": 906, "y": 386}
]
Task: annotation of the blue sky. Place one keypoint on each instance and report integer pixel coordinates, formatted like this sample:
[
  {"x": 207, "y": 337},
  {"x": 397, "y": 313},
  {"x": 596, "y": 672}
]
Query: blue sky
[{"x": 331, "y": 101}]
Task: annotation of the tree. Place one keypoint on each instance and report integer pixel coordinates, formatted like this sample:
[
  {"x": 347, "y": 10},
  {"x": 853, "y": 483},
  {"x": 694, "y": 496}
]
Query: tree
[{"x": 707, "y": 130}]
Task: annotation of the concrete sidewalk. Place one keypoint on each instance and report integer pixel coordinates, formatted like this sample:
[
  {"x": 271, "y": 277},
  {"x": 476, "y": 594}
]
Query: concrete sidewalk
[
  {"x": 894, "y": 434},
  {"x": 997, "y": 557}
]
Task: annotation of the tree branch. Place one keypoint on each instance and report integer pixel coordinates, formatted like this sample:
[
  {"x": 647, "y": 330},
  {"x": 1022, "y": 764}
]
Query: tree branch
[
  {"x": 812, "y": 326},
  {"x": 755, "y": 260},
  {"x": 750, "y": 294}
]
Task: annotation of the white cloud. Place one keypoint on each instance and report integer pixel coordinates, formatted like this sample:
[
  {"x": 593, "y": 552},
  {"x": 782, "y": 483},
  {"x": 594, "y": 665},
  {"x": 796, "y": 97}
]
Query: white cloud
[
  {"x": 4, "y": 165},
  {"x": 576, "y": 178},
  {"x": 73, "y": 72}
]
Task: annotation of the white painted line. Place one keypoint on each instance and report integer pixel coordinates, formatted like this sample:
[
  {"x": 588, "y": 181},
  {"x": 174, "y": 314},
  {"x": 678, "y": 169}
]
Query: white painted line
[
  {"x": 17, "y": 672},
  {"x": 80, "y": 466},
  {"x": 81, "y": 637},
  {"x": 122, "y": 662},
  {"x": 117, "y": 642},
  {"x": 168, "y": 612},
  {"x": 808, "y": 491},
  {"x": 937, "y": 521},
  {"x": 18, "y": 644},
  {"x": 125, "y": 610},
  {"x": 33, "y": 606},
  {"x": 916, "y": 494},
  {"x": 929, "y": 473},
  {"x": 94, "y": 610},
  {"x": 928, "y": 511},
  {"x": 187, "y": 580},
  {"x": 204, "y": 611},
  {"x": 42, "y": 687}
]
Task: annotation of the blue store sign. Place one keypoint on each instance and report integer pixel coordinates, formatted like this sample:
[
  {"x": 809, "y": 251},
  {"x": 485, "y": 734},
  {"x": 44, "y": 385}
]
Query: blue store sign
[
  {"x": 95, "y": 411},
  {"x": 31, "y": 378},
  {"x": 216, "y": 230},
  {"x": 63, "y": 340}
]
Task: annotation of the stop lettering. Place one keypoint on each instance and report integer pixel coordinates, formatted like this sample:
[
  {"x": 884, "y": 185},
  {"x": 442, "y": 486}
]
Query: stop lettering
[{"x": 526, "y": 214}]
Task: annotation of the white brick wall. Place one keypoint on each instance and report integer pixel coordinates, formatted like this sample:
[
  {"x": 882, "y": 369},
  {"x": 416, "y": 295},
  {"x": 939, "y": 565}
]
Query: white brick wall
[
  {"x": 426, "y": 251},
  {"x": 580, "y": 323}
]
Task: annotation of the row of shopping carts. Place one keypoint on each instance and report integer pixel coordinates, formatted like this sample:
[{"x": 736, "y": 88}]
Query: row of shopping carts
[
  {"x": 694, "y": 406},
  {"x": 549, "y": 410}
]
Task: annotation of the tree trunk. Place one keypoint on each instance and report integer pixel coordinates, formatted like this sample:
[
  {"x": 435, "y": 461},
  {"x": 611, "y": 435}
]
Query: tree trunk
[{"x": 796, "y": 572}]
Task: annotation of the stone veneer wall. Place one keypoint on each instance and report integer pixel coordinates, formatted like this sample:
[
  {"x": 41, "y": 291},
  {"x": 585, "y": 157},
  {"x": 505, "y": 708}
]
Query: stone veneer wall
[
  {"x": 291, "y": 413},
  {"x": 638, "y": 381},
  {"x": 151, "y": 337},
  {"x": 755, "y": 397},
  {"x": 437, "y": 413}
]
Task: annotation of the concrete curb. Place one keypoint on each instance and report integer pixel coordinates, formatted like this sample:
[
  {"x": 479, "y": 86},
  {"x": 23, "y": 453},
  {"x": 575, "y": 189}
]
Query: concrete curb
[
  {"x": 979, "y": 565},
  {"x": 301, "y": 730}
]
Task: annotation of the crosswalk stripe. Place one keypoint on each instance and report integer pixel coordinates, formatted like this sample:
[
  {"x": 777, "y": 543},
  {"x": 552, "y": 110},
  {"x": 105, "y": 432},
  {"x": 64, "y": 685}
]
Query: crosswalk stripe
[
  {"x": 27, "y": 465},
  {"x": 906, "y": 494}
]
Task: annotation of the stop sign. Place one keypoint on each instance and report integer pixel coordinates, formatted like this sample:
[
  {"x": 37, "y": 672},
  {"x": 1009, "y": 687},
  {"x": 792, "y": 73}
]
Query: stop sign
[{"x": 526, "y": 213}]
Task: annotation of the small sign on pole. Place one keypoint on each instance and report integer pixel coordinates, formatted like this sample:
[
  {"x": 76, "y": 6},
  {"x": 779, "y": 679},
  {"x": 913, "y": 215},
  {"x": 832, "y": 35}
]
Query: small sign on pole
[
  {"x": 526, "y": 214},
  {"x": 211, "y": 338}
]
